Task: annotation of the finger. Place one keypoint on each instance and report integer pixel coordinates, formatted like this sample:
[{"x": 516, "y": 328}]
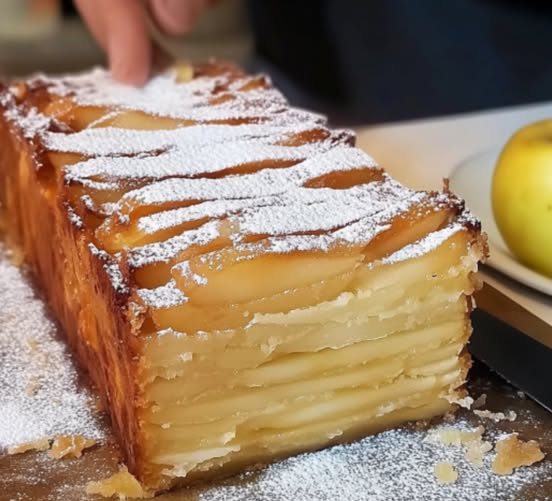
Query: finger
[
  {"x": 129, "y": 44},
  {"x": 121, "y": 29},
  {"x": 91, "y": 12},
  {"x": 176, "y": 17}
]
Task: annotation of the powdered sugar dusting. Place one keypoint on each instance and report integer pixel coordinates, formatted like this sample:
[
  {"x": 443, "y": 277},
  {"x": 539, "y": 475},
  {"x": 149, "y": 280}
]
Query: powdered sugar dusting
[
  {"x": 425, "y": 245},
  {"x": 112, "y": 269},
  {"x": 111, "y": 141},
  {"x": 261, "y": 183},
  {"x": 165, "y": 296},
  {"x": 39, "y": 394},
  {"x": 315, "y": 210},
  {"x": 297, "y": 210},
  {"x": 164, "y": 96},
  {"x": 395, "y": 465},
  {"x": 191, "y": 161},
  {"x": 355, "y": 227},
  {"x": 31, "y": 122},
  {"x": 163, "y": 252}
]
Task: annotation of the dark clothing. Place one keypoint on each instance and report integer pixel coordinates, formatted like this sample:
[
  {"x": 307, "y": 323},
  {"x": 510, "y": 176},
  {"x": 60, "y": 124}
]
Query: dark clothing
[{"x": 373, "y": 61}]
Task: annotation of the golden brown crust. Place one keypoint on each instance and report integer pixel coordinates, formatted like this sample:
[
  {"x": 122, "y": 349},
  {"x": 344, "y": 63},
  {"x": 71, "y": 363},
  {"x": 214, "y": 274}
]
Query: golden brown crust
[{"x": 84, "y": 301}]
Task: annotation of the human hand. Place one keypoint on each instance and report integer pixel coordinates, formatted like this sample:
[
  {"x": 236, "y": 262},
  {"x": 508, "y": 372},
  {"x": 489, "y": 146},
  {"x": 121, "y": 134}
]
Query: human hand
[{"x": 121, "y": 28}]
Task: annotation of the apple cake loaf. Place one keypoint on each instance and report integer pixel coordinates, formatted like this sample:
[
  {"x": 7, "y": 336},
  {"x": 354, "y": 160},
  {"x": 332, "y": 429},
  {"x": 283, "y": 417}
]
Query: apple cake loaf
[{"x": 240, "y": 282}]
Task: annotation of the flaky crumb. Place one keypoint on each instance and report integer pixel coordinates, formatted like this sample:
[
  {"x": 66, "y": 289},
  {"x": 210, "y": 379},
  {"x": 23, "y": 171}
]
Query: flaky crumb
[
  {"x": 476, "y": 447},
  {"x": 122, "y": 485},
  {"x": 496, "y": 416},
  {"x": 465, "y": 402},
  {"x": 445, "y": 473},
  {"x": 36, "y": 445},
  {"x": 480, "y": 401},
  {"x": 32, "y": 345},
  {"x": 69, "y": 446},
  {"x": 476, "y": 450},
  {"x": 511, "y": 453},
  {"x": 450, "y": 416},
  {"x": 453, "y": 436},
  {"x": 32, "y": 386}
]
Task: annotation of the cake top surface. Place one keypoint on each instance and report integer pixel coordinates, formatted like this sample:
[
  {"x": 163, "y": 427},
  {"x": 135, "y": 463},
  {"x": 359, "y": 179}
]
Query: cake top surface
[{"x": 205, "y": 159}]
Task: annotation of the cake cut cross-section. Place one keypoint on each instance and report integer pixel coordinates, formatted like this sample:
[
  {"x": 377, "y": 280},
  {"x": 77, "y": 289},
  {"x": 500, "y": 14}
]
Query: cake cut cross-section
[{"x": 240, "y": 282}]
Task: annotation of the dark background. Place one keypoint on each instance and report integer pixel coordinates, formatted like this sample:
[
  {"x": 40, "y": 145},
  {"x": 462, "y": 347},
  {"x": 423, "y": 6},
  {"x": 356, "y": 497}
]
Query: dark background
[{"x": 381, "y": 60}]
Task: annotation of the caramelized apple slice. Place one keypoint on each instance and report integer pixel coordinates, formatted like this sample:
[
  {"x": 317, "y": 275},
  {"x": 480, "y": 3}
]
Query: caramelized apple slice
[
  {"x": 244, "y": 275},
  {"x": 407, "y": 228},
  {"x": 116, "y": 233},
  {"x": 310, "y": 136},
  {"x": 150, "y": 265},
  {"x": 343, "y": 180},
  {"x": 164, "y": 353},
  {"x": 60, "y": 160},
  {"x": 254, "y": 83},
  {"x": 191, "y": 318},
  {"x": 125, "y": 229},
  {"x": 139, "y": 120},
  {"x": 76, "y": 117}
]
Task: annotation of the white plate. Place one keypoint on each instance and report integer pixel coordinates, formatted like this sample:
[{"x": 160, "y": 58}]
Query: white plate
[{"x": 471, "y": 180}]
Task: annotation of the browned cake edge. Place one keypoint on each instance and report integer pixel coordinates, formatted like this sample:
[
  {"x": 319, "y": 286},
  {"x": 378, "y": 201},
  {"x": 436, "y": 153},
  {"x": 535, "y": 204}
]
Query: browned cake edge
[{"x": 92, "y": 314}]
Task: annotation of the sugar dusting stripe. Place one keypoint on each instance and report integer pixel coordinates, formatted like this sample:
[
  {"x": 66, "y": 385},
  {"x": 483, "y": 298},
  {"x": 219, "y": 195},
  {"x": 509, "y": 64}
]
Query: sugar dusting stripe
[
  {"x": 174, "y": 164},
  {"x": 113, "y": 141},
  {"x": 191, "y": 161},
  {"x": 264, "y": 182}
]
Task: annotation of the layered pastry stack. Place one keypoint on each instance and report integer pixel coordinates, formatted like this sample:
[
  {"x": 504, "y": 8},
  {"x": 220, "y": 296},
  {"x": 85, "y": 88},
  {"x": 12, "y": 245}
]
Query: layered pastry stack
[{"x": 240, "y": 282}]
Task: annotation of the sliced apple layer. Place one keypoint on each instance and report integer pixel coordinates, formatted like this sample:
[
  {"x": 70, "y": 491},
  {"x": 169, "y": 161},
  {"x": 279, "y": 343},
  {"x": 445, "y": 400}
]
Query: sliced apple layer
[{"x": 313, "y": 374}]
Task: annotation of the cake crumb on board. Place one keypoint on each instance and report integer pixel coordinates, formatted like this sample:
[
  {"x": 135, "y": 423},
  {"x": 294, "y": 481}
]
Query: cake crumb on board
[
  {"x": 512, "y": 453},
  {"x": 121, "y": 485},
  {"x": 40, "y": 444},
  {"x": 475, "y": 452},
  {"x": 496, "y": 416},
  {"x": 454, "y": 436},
  {"x": 69, "y": 446},
  {"x": 476, "y": 447},
  {"x": 445, "y": 473}
]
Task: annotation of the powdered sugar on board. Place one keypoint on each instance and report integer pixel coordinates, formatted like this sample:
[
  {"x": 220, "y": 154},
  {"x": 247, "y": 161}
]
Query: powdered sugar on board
[
  {"x": 39, "y": 393},
  {"x": 395, "y": 465}
]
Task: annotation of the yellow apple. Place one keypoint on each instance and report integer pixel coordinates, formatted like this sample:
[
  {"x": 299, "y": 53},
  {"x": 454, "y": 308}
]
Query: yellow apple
[{"x": 522, "y": 195}]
